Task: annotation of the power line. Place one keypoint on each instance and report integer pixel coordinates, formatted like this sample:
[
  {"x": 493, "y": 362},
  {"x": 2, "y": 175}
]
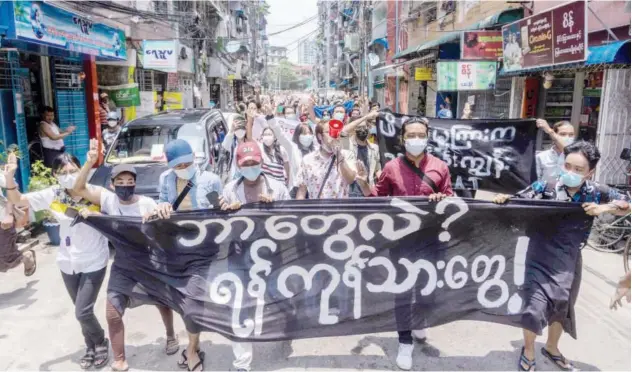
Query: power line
[{"x": 295, "y": 26}]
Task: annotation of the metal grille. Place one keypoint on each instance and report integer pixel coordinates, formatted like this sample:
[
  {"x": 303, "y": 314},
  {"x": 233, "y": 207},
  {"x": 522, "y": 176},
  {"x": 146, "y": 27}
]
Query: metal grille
[
  {"x": 516, "y": 97},
  {"x": 492, "y": 104},
  {"x": 5, "y": 71},
  {"x": 614, "y": 127},
  {"x": 71, "y": 108},
  {"x": 144, "y": 79},
  {"x": 67, "y": 74}
]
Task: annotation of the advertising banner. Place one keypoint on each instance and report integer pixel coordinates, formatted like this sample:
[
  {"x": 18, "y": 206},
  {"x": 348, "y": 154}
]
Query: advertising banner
[
  {"x": 173, "y": 100},
  {"x": 556, "y": 36},
  {"x": 124, "y": 95},
  {"x": 482, "y": 45},
  {"x": 43, "y": 23},
  {"x": 466, "y": 75},
  {"x": 160, "y": 55},
  {"x": 423, "y": 73}
]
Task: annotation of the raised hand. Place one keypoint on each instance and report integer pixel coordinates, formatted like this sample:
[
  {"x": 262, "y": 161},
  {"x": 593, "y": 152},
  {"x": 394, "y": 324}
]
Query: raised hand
[
  {"x": 93, "y": 152},
  {"x": 501, "y": 198},
  {"x": 264, "y": 198},
  {"x": 11, "y": 166},
  {"x": 361, "y": 171}
]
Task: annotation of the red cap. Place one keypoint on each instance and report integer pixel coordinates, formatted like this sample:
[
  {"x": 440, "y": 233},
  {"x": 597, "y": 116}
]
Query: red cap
[{"x": 248, "y": 151}]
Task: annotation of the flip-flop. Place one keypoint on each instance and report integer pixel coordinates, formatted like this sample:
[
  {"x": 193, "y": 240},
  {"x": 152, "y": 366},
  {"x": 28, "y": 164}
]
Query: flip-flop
[
  {"x": 557, "y": 359},
  {"x": 31, "y": 271},
  {"x": 184, "y": 363},
  {"x": 525, "y": 361},
  {"x": 172, "y": 346}
]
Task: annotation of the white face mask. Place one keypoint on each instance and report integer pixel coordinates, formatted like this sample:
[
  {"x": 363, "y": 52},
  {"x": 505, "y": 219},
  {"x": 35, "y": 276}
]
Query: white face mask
[
  {"x": 306, "y": 139},
  {"x": 339, "y": 116},
  {"x": 186, "y": 173},
  {"x": 67, "y": 181},
  {"x": 3, "y": 181},
  {"x": 268, "y": 140},
  {"x": 290, "y": 117},
  {"x": 416, "y": 146},
  {"x": 240, "y": 133},
  {"x": 112, "y": 123},
  {"x": 567, "y": 140}
]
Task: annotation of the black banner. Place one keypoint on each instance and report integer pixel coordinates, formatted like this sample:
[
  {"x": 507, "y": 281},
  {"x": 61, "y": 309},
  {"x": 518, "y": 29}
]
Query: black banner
[
  {"x": 316, "y": 268},
  {"x": 488, "y": 154}
]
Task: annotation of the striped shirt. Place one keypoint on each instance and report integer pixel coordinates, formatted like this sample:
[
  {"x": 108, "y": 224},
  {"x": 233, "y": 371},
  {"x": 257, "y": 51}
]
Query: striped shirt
[{"x": 271, "y": 166}]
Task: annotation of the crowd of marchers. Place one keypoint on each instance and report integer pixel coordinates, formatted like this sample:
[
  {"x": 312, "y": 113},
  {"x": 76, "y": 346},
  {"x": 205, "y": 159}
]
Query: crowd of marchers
[{"x": 332, "y": 155}]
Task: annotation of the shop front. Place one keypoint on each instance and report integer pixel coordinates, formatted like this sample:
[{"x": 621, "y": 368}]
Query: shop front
[
  {"x": 48, "y": 58},
  {"x": 568, "y": 79}
]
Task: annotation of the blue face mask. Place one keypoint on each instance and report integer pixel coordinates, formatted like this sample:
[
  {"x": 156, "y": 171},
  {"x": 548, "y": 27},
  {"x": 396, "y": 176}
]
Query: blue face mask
[
  {"x": 251, "y": 173},
  {"x": 571, "y": 179}
]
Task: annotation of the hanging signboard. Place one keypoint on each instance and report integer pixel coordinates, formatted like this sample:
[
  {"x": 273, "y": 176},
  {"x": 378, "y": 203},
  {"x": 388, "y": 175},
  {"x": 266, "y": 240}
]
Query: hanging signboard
[
  {"x": 554, "y": 37},
  {"x": 173, "y": 100},
  {"x": 481, "y": 45},
  {"x": 126, "y": 95},
  {"x": 42, "y": 23},
  {"x": 423, "y": 73},
  {"x": 160, "y": 55},
  {"x": 466, "y": 75}
]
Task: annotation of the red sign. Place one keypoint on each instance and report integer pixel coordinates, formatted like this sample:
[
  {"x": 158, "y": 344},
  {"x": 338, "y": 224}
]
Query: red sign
[
  {"x": 481, "y": 45},
  {"x": 556, "y": 36},
  {"x": 530, "y": 98}
]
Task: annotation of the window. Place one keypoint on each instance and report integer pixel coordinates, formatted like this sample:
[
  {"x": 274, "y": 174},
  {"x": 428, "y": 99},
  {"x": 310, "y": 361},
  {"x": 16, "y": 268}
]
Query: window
[
  {"x": 161, "y": 7},
  {"x": 141, "y": 144}
]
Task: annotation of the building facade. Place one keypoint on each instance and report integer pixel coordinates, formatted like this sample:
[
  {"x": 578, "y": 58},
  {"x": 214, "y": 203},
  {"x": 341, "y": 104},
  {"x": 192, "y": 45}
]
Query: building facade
[
  {"x": 276, "y": 54},
  {"x": 307, "y": 52}
]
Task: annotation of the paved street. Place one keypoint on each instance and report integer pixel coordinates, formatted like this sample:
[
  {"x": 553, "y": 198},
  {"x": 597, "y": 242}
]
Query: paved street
[{"x": 39, "y": 332}]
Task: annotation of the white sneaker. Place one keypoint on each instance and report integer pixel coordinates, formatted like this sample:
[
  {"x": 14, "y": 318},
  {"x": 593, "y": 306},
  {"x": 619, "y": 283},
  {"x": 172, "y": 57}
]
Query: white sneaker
[
  {"x": 420, "y": 335},
  {"x": 405, "y": 357}
]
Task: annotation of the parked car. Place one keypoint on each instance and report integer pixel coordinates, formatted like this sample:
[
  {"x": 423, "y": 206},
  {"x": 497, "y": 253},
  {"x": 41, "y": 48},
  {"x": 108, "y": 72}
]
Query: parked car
[{"x": 141, "y": 142}]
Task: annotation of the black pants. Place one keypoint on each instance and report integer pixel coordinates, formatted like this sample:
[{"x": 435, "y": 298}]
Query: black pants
[
  {"x": 50, "y": 155},
  {"x": 83, "y": 289}
]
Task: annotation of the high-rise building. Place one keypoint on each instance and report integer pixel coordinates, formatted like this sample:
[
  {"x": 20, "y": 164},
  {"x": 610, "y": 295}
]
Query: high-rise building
[{"x": 307, "y": 52}]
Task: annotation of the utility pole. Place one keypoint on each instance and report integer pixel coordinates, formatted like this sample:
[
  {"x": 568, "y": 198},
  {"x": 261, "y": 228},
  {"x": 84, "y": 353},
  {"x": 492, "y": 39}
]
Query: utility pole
[
  {"x": 327, "y": 51},
  {"x": 396, "y": 52}
]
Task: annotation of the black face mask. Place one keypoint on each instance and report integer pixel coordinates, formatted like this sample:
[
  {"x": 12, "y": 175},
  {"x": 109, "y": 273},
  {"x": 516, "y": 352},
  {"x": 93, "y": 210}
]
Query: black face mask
[
  {"x": 125, "y": 193},
  {"x": 362, "y": 134}
]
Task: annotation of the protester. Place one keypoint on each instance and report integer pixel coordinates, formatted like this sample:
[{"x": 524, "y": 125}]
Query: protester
[
  {"x": 550, "y": 162},
  {"x": 51, "y": 137},
  {"x": 328, "y": 172},
  {"x": 253, "y": 186},
  {"x": 236, "y": 135},
  {"x": 113, "y": 129},
  {"x": 83, "y": 253},
  {"x": 185, "y": 187},
  {"x": 10, "y": 255},
  {"x": 622, "y": 291},
  {"x": 289, "y": 113},
  {"x": 355, "y": 113},
  {"x": 573, "y": 185},
  {"x": 123, "y": 202},
  {"x": 340, "y": 113},
  {"x": 276, "y": 163},
  {"x": 104, "y": 108},
  {"x": 418, "y": 173},
  {"x": 355, "y": 138}
]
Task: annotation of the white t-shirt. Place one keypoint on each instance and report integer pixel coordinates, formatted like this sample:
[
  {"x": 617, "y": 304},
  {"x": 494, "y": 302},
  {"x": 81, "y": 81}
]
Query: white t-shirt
[
  {"x": 111, "y": 205},
  {"x": 230, "y": 195},
  {"x": 82, "y": 249},
  {"x": 51, "y": 143}
]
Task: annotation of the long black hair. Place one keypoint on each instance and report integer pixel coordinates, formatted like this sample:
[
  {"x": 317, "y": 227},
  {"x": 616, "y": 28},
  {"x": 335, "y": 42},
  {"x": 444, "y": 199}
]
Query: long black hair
[
  {"x": 62, "y": 160},
  {"x": 274, "y": 151},
  {"x": 297, "y": 134}
]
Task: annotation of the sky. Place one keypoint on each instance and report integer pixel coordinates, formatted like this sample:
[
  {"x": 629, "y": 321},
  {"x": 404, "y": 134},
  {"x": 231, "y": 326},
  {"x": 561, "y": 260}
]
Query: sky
[{"x": 286, "y": 13}]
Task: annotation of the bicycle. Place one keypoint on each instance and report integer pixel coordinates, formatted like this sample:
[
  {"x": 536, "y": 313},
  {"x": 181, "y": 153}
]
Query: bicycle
[{"x": 610, "y": 237}]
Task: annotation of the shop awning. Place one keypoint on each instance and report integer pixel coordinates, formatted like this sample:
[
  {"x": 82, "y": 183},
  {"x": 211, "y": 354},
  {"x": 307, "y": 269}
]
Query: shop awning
[
  {"x": 617, "y": 53},
  {"x": 495, "y": 20},
  {"x": 382, "y": 41}
]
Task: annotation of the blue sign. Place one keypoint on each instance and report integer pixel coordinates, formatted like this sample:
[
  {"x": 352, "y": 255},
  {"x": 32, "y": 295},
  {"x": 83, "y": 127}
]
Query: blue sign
[{"x": 46, "y": 24}]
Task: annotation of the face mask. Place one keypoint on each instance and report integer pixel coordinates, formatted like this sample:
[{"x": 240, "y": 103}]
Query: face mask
[
  {"x": 306, "y": 139},
  {"x": 187, "y": 173},
  {"x": 291, "y": 117},
  {"x": 112, "y": 123},
  {"x": 125, "y": 193},
  {"x": 3, "y": 181},
  {"x": 362, "y": 134},
  {"x": 251, "y": 173},
  {"x": 373, "y": 130},
  {"x": 339, "y": 116},
  {"x": 416, "y": 146},
  {"x": 571, "y": 179},
  {"x": 268, "y": 140},
  {"x": 240, "y": 133},
  {"x": 326, "y": 117},
  {"x": 567, "y": 140},
  {"x": 67, "y": 181}
]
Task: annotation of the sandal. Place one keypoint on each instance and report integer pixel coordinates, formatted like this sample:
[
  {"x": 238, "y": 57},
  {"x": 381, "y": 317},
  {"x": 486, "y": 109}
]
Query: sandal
[
  {"x": 31, "y": 271},
  {"x": 559, "y": 360},
  {"x": 87, "y": 360},
  {"x": 524, "y": 361},
  {"x": 102, "y": 354},
  {"x": 172, "y": 346},
  {"x": 184, "y": 362}
]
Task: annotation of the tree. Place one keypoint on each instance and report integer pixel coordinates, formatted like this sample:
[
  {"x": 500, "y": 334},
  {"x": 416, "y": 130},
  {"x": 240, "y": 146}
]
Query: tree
[{"x": 282, "y": 74}]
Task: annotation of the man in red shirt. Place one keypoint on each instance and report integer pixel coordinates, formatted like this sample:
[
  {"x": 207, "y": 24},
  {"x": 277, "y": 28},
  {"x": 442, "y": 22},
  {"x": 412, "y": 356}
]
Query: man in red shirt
[{"x": 415, "y": 174}]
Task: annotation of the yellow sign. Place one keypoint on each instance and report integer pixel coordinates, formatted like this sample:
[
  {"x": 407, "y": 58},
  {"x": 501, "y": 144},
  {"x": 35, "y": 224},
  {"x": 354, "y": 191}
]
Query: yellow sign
[
  {"x": 173, "y": 100},
  {"x": 231, "y": 77},
  {"x": 423, "y": 73},
  {"x": 130, "y": 112}
]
